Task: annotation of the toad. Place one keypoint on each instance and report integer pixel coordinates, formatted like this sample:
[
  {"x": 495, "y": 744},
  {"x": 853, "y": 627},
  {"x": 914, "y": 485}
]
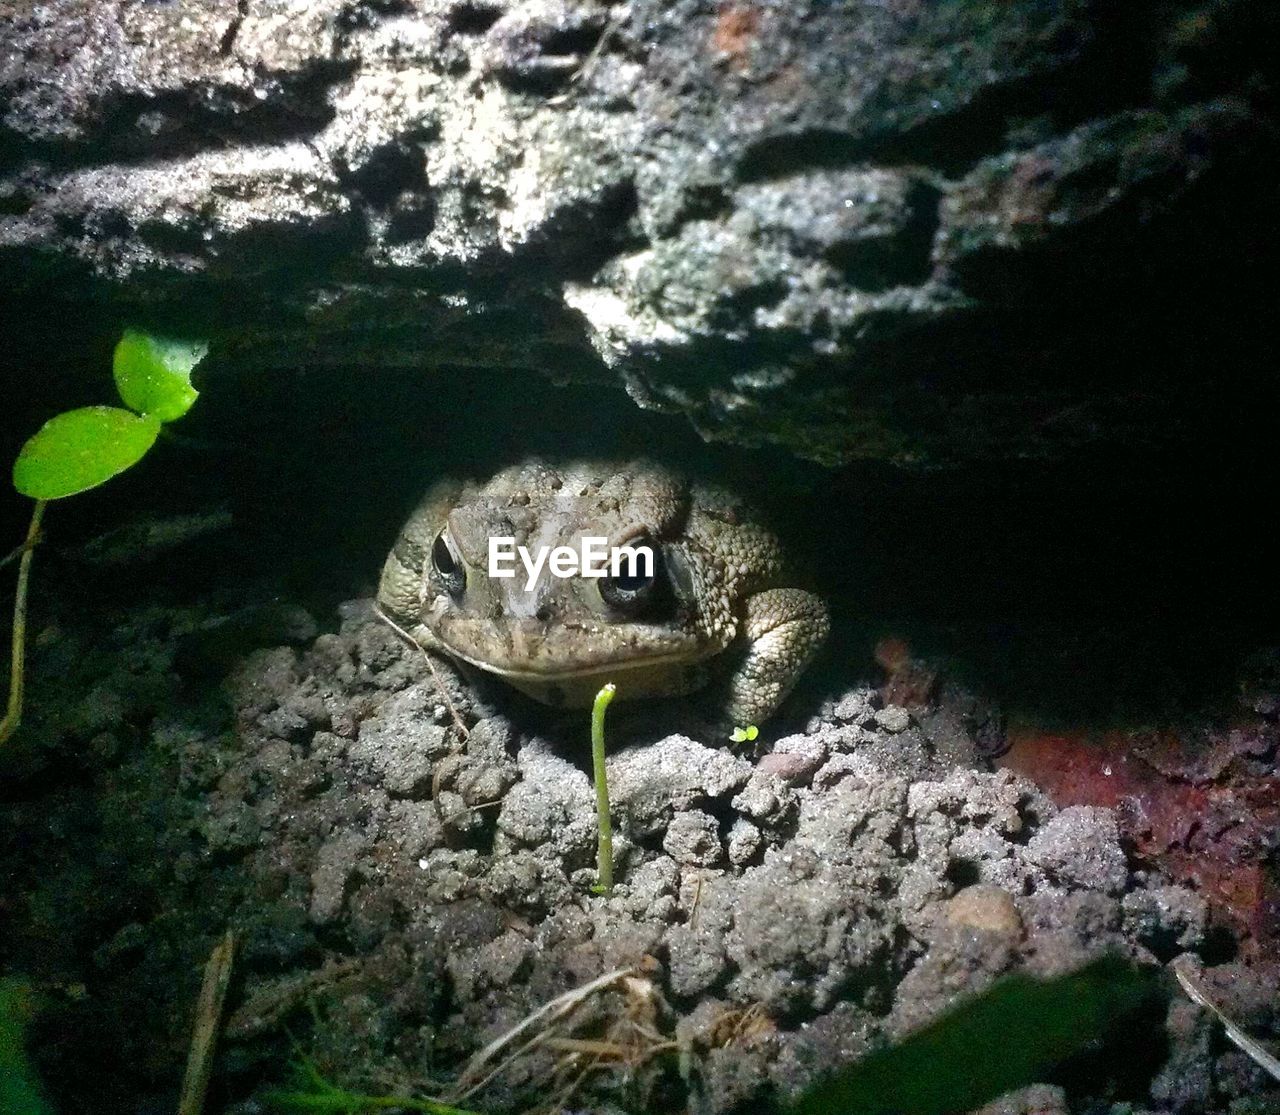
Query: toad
[{"x": 709, "y": 608}]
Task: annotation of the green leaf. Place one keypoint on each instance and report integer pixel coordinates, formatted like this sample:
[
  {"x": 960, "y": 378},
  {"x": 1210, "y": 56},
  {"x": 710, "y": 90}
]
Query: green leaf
[
  {"x": 81, "y": 449},
  {"x": 153, "y": 374},
  {"x": 1005, "y": 1038},
  {"x": 19, "y": 1088},
  {"x": 744, "y": 735}
]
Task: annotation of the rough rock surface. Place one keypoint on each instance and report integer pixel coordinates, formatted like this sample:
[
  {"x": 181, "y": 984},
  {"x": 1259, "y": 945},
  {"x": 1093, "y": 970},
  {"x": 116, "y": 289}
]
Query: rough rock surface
[
  {"x": 904, "y": 230},
  {"x": 402, "y": 895}
]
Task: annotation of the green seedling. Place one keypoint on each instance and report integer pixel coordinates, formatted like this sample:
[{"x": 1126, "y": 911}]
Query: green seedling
[
  {"x": 744, "y": 735},
  {"x": 604, "y": 848},
  {"x": 82, "y": 448}
]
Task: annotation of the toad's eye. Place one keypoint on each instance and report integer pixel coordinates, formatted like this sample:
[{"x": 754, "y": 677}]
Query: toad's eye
[
  {"x": 637, "y": 574},
  {"x": 447, "y": 565}
]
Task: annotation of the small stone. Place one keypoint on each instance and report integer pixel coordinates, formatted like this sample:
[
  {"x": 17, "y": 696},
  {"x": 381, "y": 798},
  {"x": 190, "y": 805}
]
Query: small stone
[
  {"x": 841, "y": 766},
  {"x": 893, "y": 718},
  {"x": 491, "y": 739},
  {"x": 792, "y": 769},
  {"x": 987, "y": 909},
  {"x": 795, "y": 759},
  {"x": 854, "y": 707},
  {"x": 766, "y": 798},
  {"x": 1080, "y": 847},
  {"x": 647, "y": 784},
  {"x": 1167, "y": 918},
  {"x": 335, "y": 868},
  {"x": 398, "y": 745},
  {"x": 744, "y": 842},
  {"x": 693, "y": 837},
  {"x": 485, "y": 785},
  {"x": 284, "y": 723}
]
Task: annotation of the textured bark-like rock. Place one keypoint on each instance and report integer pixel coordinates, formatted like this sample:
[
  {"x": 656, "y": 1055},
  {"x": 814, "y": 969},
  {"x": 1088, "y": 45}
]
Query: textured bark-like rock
[{"x": 911, "y": 230}]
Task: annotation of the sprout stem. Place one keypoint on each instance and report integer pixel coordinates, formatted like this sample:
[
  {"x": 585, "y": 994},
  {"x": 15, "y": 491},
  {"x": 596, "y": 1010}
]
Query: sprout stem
[
  {"x": 604, "y": 850},
  {"x": 13, "y": 715}
]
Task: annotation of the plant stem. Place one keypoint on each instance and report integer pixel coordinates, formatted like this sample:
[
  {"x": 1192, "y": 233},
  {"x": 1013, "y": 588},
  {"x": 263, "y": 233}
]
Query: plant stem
[
  {"x": 604, "y": 850},
  {"x": 13, "y": 715}
]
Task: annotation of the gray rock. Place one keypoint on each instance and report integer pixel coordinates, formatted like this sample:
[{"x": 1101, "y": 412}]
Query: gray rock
[
  {"x": 792, "y": 223},
  {"x": 766, "y": 799},
  {"x": 551, "y": 808},
  {"x": 333, "y": 874},
  {"x": 745, "y": 840},
  {"x": 647, "y": 785},
  {"x": 1081, "y": 847},
  {"x": 693, "y": 837},
  {"x": 1166, "y": 918},
  {"x": 857, "y": 706},
  {"x": 893, "y": 719},
  {"x": 803, "y": 934},
  {"x": 401, "y": 743}
]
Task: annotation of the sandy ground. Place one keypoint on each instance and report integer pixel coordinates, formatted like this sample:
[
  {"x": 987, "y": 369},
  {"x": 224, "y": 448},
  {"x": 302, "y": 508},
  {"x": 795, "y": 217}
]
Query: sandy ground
[{"x": 403, "y": 893}]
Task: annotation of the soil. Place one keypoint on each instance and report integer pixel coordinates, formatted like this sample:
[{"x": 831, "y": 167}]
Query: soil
[{"x": 403, "y": 892}]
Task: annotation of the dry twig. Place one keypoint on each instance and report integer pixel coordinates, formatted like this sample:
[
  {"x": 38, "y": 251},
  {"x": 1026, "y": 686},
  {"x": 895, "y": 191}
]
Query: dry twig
[
  {"x": 204, "y": 1039},
  {"x": 546, "y": 1016},
  {"x": 1197, "y": 994}
]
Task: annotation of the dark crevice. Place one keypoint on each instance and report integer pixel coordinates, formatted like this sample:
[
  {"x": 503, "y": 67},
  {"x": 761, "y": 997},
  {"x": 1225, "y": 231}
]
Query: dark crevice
[
  {"x": 964, "y": 872},
  {"x": 701, "y": 202},
  {"x": 737, "y": 308},
  {"x": 572, "y": 40},
  {"x": 391, "y": 171},
  {"x": 1130, "y": 1057},
  {"x": 777, "y": 156},
  {"x": 538, "y": 78},
  {"x": 903, "y": 259},
  {"x": 1109, "y": 73},
  {"x": 15, "y": 203},
  {"x": 580, "y": 239},
  {"x": 473, "y": 18},
  {"x": 133, "y": 128},
  {"x": 412, "y": 222}
]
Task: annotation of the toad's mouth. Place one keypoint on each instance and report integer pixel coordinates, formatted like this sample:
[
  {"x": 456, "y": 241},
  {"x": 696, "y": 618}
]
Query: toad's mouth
[{"x": 551, "y": 671}]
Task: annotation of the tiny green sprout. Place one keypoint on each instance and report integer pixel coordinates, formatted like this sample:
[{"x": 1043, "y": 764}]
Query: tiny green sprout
[
  {"x": 604, "y": 848},
  {"x": 82, "y": 448},
  {"x": 744, "y": 735}
]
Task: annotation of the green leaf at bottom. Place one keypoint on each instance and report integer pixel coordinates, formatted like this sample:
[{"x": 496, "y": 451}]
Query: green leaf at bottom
[{"x": 1005, "y": 1038}]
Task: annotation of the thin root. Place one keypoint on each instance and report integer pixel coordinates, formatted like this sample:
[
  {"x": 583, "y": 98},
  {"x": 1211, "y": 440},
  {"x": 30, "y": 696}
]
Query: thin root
[{"x": 435, "y": 674}]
